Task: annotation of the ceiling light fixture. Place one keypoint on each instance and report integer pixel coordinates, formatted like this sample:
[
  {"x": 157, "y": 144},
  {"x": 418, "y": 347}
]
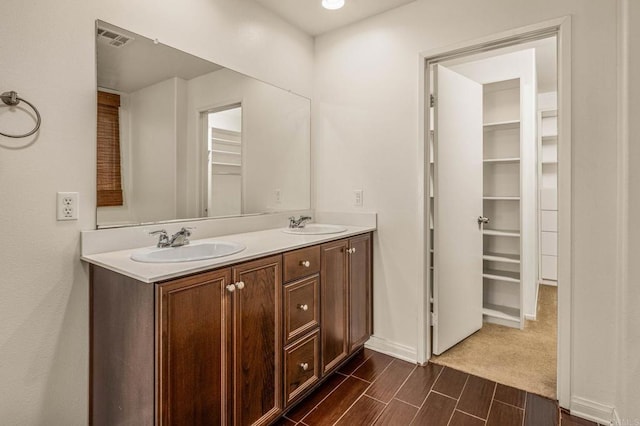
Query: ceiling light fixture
[{"x": 332, "y": 4}]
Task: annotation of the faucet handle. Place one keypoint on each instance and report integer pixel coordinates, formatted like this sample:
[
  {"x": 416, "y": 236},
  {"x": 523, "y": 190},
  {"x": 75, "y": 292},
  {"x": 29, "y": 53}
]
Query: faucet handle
[
  {"x": 186, "y": 230},
  {"x": 163, "y": 241}
]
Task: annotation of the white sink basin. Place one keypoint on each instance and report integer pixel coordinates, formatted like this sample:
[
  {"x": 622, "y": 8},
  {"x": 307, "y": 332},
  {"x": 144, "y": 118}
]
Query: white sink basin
[
  {"x": 188, "y": 253},
  {"x": 315, "y": 229}
]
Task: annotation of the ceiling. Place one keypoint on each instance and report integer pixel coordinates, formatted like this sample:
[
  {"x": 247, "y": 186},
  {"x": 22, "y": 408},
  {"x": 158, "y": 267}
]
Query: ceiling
[
  {"x": 142, "y": 62},
  {"x": 312, "y": 18}
]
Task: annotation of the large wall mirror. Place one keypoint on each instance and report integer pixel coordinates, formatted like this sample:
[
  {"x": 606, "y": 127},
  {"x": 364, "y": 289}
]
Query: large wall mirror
[{"x": 180, "y": 137}]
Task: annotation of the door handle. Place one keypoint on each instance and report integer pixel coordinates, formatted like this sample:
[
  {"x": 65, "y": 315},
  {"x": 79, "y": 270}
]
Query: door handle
[{"x": 482, "y": 219}]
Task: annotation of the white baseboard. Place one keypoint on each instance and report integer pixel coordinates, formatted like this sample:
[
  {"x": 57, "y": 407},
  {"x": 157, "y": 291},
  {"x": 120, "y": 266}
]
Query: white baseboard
[
  {"x": 530, "y": 317},
  {"x": 591, "y": 410},
  {"x": 393, "y": 349}
]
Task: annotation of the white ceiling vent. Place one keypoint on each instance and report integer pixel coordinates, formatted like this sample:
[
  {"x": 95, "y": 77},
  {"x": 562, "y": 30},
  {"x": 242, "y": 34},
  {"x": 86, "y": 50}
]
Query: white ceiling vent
[{"x": 113, "y": 38}]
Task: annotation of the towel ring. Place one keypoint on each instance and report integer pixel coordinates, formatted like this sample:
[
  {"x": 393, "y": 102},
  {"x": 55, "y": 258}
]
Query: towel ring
[{"x": 11, "y": 98}]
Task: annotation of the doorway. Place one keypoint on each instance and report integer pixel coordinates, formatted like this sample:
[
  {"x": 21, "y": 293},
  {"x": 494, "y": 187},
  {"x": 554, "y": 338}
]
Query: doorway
[
  {"x": 491, "y": 175},
  {"x": 223, "y": 188}
]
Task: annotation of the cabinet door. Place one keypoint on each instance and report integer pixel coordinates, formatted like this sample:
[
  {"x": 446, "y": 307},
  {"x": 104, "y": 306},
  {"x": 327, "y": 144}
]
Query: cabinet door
[
  {"x": 193, "y": 355},
  {"x": 359, "y": 291},
  {"x": 333, "y": 299},
  {"x": 257, "y": 341}
]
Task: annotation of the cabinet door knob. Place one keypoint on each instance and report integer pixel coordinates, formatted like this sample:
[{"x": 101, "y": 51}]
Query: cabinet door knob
[
  {"x": 304, "y": 366},
  {"x": 231, "y": 288},
  {"x": 240, "y": 285},
  {"x": 305, "y": 263},
  {"x": 351, "y": 250},
  {"x": 304, "y": 307}
]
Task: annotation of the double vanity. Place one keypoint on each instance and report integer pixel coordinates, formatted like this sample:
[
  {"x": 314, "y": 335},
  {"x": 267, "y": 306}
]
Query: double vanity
[
  {"x": 234, "y": 327},
  {"x": 235, "y": 339}
]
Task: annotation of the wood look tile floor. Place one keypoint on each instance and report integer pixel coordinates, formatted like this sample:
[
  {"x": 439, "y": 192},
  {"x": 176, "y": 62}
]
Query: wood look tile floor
[{"x": 376, "y": 389}]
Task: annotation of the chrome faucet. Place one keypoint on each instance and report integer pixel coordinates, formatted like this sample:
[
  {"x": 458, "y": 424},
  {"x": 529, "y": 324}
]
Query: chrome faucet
[
  {"x": 178, "y": 239},
  {"x": 300, "y": 222}
]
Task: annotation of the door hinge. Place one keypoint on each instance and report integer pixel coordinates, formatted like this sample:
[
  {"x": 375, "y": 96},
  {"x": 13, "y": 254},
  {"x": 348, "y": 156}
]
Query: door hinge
[
  {"x": 432, "y": 101},
  {"x": 434, "y": 319}
]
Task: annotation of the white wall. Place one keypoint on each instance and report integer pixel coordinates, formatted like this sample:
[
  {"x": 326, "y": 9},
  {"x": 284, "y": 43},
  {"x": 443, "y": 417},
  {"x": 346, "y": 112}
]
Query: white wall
[
  {"x": 47, "y": 54},
  {"x": 629, "y": 319},
  {"x": 275, "y": 131},
  {"x": 365, "y": 136},
  {"x": 154, "y": 145}
]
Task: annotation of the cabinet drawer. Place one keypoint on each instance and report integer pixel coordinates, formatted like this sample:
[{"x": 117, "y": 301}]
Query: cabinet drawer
[
  {"x": 301, "y": 263},
  {"x": 301, "y": 308},
  {"x": 301, "y": 366}
]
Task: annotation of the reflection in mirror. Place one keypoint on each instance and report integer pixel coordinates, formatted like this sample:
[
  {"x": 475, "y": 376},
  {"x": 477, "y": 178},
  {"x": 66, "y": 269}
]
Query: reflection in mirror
[
  {"x": 224, "y": 136},
  {"x": 189, "y": 138}
]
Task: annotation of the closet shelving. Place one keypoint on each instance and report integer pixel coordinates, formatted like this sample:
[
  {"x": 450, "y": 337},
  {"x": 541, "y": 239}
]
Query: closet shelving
[
  {"x": 225, "y": 168},
  {"x": 501, "y": 200},
  {"x": 502, "y": 160},
  {"x": 502, "y": 232},
  {"x": 548, "y": 184},
  {"x": 226, "y": 152},
  {"x": 502, "y": 125},
  {"x": 501, "y": 257}
]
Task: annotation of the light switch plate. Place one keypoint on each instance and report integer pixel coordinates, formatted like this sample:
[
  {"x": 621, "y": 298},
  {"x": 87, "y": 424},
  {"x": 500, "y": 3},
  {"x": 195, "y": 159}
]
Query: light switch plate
[{"x": 357, "y": 198}]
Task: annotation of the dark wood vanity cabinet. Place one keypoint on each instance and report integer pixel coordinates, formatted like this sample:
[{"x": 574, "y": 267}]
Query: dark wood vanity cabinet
[
  {"x": 200, "y": 350},
  {"x": 301, "y": 352},
  {"x": 360, "y": 289},
  {"x": 257, "y": 341},
  {"x": 231, "y": 346},
  {"x": 220, "y": 341},
  {"x": 335, "y": 303},
  {"x": 195, "y": 344},
  {"x": 346, "y": 316}
]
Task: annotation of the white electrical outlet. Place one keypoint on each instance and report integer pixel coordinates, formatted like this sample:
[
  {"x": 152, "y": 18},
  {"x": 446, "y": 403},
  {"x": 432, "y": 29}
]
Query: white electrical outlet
[
  {"x": 67, "y": 205},
  {"x": 357, "y": 198},
  {"x": 278, "y": 196}
]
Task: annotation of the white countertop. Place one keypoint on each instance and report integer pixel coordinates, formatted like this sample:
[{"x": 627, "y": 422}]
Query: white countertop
[{"x": 259, "y": 244}]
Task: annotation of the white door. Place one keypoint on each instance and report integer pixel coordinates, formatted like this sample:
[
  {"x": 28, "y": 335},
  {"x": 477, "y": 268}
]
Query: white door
[{"x": 458, "y": 204}]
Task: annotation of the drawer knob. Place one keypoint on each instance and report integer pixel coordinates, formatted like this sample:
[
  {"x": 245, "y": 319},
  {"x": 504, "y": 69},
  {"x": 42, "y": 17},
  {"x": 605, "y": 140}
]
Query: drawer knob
[
  {"x": 304, "y": 366},
  {"x": 305, "y": 263},
  {"x": 231, "y": 288},
  {"x": 304, "y": 307},
  {"x": 240, "y": 285}
]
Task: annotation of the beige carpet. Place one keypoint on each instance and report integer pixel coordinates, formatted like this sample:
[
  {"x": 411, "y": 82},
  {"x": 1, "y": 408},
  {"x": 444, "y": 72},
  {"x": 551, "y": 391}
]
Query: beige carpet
[{"x": 525, "y": 359}]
